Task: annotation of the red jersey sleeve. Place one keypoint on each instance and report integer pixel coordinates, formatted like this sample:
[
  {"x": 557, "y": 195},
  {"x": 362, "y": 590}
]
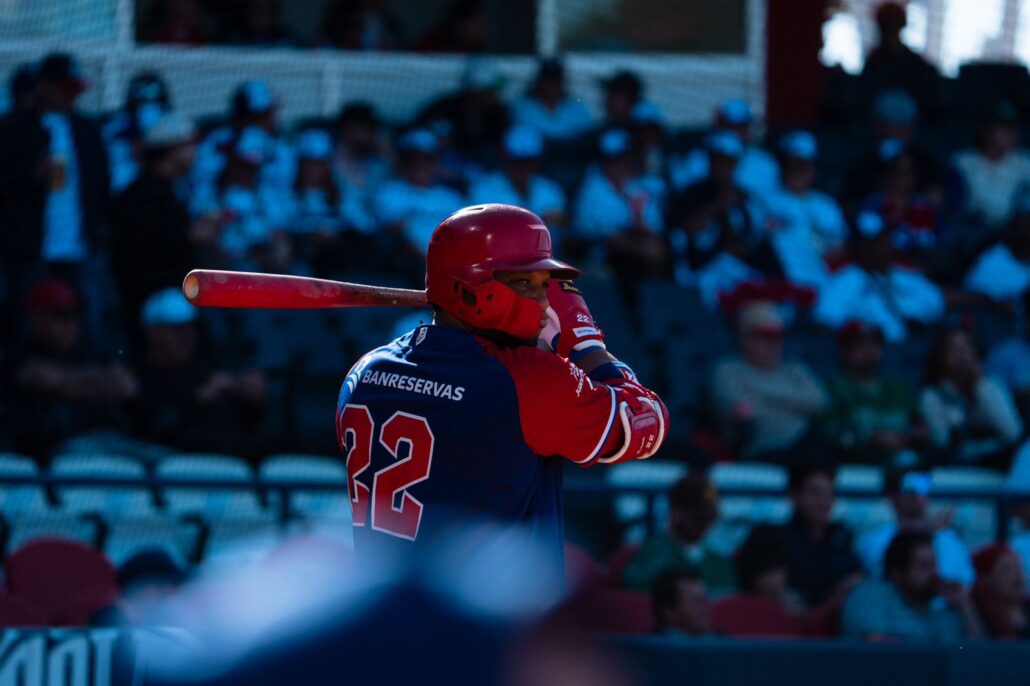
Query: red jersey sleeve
[{"x": 562, "y": 411}]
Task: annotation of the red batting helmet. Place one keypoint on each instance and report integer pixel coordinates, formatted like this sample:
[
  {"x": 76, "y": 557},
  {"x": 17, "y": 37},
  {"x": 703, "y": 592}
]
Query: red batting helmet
[{"x": 472, "y": 244}]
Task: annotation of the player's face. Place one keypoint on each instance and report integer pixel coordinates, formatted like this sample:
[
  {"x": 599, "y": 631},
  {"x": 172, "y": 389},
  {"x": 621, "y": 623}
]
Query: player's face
[{"x": 532, "y": 285}]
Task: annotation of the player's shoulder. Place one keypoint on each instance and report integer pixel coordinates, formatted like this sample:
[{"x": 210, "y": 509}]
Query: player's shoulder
[{"x": 533, "y": 367}]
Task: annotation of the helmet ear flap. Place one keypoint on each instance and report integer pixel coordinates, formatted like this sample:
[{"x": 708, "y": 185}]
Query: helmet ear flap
[{"x": 496, "y": 306}]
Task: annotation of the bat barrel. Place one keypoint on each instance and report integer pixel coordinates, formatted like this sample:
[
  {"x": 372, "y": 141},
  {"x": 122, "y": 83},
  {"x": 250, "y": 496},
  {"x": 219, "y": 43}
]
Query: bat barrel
[{"x": 215, "y": 288}]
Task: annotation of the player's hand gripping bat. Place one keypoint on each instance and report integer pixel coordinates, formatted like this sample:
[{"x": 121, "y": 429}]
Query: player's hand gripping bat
[{"x": 215, "y": 288}]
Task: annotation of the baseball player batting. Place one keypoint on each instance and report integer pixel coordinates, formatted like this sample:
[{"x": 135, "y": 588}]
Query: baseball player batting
[{"x": 474, "y": 412}]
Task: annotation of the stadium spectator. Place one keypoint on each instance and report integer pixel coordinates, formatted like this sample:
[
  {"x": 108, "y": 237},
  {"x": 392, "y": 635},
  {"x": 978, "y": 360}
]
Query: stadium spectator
[
  {"x": 820, "y": 564},
  {"x": 476, "y": 113},
  {"x": 892, "y": 63},
  {"x": 320, "y": 205},
  {"x": 901, "y": 607},
  {"x": 187, "y": 402},
  {"x": 1002, "y": 272},
  {"x": 649, "y": 141},
  {"x": 361, "y": 159},
  {"x": 622, "y": 91},
  {"x": 176, "y": 21},
  {"x": 1000, "y": 593},
  {"x": 360, "y": 25},
  {"x": 693, "y": 508},
  {"x": 146, "y": 101},
  {"x": 807, "y": 226},
  {"x": 908, "y": 491},
  {"x": 247, "y": 212},
  {"x": 765, "y": 405},
  {"x": 259, "y": 24},
  {"x": 252, "y": 106},
  {"x": 518, "y": 182},
  {"x": 875, "y": 290},
  {"x": 413, "y": 202},
  {"x": 57, "y": 386},
  {"x": 146, "y": 581},
  {"x": 154, "y": 241},
  {"x": 912, "y": 218},
  {"x": 997, "y": 170},
  {"x": 53, "y": 176},
  {"x": 22, "y": 88},
  {"x": 712, "y": 225},
  {"x": 972, "y": 418},
  {"x": 764, "y": 607},
  {"x": 895, "y": 116},
  {"x": 681, "y": 605},
  {"x": 873, "y": 417},
  {"x": 1009, "y": 361},
  {"x": 463, "y": 27},
  {"x": 547, "y": 107},
  {"x": 757, "y": 171},
  {"x": 613, "y": 200}
]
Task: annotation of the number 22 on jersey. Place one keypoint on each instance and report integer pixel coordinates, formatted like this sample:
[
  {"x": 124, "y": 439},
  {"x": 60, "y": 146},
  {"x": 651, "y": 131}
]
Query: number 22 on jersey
[{"x": 392, "y": 509}]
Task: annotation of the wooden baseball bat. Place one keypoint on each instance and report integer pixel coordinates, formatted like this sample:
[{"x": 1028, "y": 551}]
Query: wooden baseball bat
[{"x": 216, "y": 288}]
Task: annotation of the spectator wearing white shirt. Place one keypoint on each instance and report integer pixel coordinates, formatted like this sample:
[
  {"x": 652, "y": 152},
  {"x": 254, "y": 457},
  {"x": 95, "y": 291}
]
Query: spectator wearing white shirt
[
  {"x": 518, "y": 182},
  {"x": 806, "y": 225},
  {"x": 414, "y": 202},
  {"x": 1002, "y": 272},
  {"x": 547, "y": 107},
  {"x": 757, "y": 171},
  {"x": 253, "y": 106},
  {"x": 909, "y": 493},
  {"x": 972, "y": 418},
  {"x": 876, "y": 291},
  {"x": 997, "y": 171},
  {"x": 147, "y": 100}
]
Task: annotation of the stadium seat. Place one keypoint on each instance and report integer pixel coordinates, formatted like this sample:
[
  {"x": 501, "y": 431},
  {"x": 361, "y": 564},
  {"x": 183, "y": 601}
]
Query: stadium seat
[
  {"x": 17, "y": 613},
  {"x": 860, "y": 514},
  {"x": 631, "y": 508},
  {"x": 582, "y": 572},
  {"x": 619, "y": 560},
  {"x": 330, "y": 508},
  {"x": 52, "y": 523},
  {"x": 112, "y": 502},
  {"x": 860, "y": 477},
  {"x": 212, "y": 503},
  {"x": 67, "y": 580},
  {"x": 615, "y": 611},
  {"x": 179, "y": 537},
  {"x": 975, "y": 520},
  {"x": 738, "y": 513},
  {"x": 20, "y": 500},
  {"x": 756, "y": 475}
]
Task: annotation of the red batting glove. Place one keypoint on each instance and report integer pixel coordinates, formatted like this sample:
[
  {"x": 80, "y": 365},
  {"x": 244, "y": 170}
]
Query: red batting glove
[{"x": 577, "y": 333}]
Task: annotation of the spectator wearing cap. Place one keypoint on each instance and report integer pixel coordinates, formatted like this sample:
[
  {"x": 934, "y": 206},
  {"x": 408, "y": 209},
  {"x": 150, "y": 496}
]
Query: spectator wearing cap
[
  {"x": 766, "y": 406},
  {"x": 187, "y": 402},
  {"x": 54, "y": 189},
  {"x": 154, "y": 241},
  {"x": 996, "y": 171},
  {"x": 622, "y": 91},
  {"x": 1009, "y": 360},
  {"x": 1002, "y": 272},
  {"x": 894, "y": 117},
  {"x": 547, "y": 107},
  {"x": 875, "y": 290},
  {"x": 756, "y": 170},
  {"x": 807, "y": 225},
  {"x": 913, "y": 219},
  {"x": 477, "y": 115},
  {"x": 361, "y": 158},
  {"x": 147, "y": 100},
  {"x": 252, "y": 106},
  {"x": 414, "y": 201},
  {"x": 248, "y": 213},
  {"x": 971, "y": 417},
  {"x": 56, "y": 386},
  {"x": 765, "y": 607},
  {"x": 873, "y": 417},
  {"x": 693, "y": 509},
  {"x": 1000, "y": 593},
  {"x": 908, "y": 490},
  {"x": 518, "y": 182},
  {"x": 821, "y": 567},
  {"x": 682, "y": 608},
  {"x": 902, "y": 604}
]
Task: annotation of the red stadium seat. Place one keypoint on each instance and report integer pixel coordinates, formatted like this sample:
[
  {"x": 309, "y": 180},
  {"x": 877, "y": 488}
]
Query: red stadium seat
[
  {"x": 67, "y": 580},
  {"x": 17, "y": 612},
  {"x": 582, "y": 572},
  {"x": 615, "y": 611},
  {"x": 741, "y": 616}
]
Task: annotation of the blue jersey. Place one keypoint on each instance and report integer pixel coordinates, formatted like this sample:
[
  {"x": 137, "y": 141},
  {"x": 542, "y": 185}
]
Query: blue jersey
[{"x": 441, "y": 424}]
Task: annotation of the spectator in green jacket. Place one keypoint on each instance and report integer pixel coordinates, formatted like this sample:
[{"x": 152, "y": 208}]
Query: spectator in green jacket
[
  {"x": 693, "y": 508},
  {"x": 872, "y": 417}
]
